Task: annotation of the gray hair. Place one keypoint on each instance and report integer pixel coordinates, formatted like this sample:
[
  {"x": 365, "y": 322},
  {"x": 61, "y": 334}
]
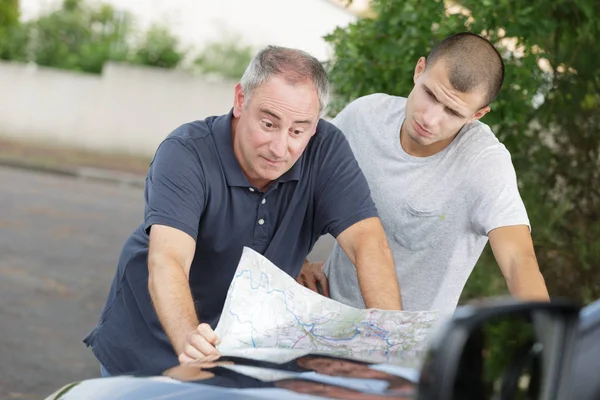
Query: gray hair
[{"x": 295, "y": 65}]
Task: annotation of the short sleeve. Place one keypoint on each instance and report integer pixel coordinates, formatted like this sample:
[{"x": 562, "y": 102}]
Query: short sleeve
[
  {"x": 175, "y": 188},
  {"x": 346, "y": 120},
  {"x": 342, "y": 195},
  {"x": 495, "y": 200}
]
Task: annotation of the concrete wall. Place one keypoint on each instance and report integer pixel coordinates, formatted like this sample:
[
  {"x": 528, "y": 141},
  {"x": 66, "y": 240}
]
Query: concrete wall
[{"x": 126, "y": 109}]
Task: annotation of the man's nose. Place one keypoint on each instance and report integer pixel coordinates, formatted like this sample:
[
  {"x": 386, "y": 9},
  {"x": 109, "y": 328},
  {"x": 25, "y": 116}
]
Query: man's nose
[
  {"x": 278, "y": 146},
  {"x": 432, "y": 116}
]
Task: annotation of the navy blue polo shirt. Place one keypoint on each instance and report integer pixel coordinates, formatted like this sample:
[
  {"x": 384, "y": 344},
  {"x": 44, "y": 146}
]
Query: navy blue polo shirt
[{"x": 195, "y": 184}]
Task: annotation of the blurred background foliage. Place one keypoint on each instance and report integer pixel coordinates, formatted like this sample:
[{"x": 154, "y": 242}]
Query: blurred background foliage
[
  {"x": 82, "y": 36},
  {"x": 228, "y": 57},
  {"x": 547, "y": 114}
]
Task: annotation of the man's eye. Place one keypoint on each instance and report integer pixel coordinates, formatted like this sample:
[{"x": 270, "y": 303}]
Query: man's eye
[
  {"x": 267, "y": 124},
  {"x": 297, "y": 132}
]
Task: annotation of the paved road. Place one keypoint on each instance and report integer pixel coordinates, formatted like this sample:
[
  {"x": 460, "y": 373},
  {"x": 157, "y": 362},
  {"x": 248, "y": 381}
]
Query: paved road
[{"x": 59, "y": 242}]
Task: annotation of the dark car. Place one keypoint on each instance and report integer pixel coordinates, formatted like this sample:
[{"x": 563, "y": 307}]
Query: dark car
[{"x": 500, "y": 349}]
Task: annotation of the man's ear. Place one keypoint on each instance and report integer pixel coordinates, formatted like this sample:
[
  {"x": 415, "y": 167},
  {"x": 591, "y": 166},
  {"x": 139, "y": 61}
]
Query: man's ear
[
  {"x": 479, "y": 114},
  {"x": 420, "y": 68},
  {"x": 238, "y": 101}
]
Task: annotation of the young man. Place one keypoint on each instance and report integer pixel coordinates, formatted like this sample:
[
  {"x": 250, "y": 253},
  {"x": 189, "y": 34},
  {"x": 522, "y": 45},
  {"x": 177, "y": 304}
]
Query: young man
[
  {"x": 443, "y": 184},
  {"x": 269, "y": 175}
]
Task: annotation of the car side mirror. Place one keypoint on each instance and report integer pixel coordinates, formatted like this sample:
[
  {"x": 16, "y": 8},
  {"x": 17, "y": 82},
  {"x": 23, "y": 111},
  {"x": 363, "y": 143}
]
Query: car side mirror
[{"x": 502, "y": 349}]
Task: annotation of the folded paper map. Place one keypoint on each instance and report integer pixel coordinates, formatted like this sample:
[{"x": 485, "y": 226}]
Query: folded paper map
[{"x": 266, "y": 308}]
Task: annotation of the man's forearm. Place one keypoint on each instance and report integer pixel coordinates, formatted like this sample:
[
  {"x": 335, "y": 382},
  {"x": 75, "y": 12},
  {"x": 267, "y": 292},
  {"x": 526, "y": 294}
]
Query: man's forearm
[
  {"x": 172, "y": 300},
  {"x": 377, "y": 275},
  {"x": 526, "y": 282}
]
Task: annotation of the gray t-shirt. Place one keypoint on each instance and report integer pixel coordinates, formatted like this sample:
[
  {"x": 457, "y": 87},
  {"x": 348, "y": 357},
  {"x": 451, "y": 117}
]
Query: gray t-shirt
[{"x": 436, "y": 210}]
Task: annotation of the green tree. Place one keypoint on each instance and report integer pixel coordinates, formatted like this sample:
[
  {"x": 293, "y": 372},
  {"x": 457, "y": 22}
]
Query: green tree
[
  {"x": 83, "y": 36},
  {"x": 159, "y": 49},
  {"x": 227, "y": 58},
  {"x": 11, "y": 38},
  {"x": 556, "y": 146},
  {"x": 9, "y": 13},
  {"x": 80, "y": 37},
  {"x": 548, "y": 112}
]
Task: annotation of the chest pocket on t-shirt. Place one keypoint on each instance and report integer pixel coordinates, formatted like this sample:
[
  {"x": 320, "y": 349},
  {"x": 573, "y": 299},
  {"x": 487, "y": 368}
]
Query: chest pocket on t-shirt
[{"x": 419, "y": 228}]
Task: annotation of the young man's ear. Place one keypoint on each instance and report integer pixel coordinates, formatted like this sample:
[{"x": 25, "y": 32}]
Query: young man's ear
[
  {"x": 479, "y": 114},
  {"x": 238, "y": 101},
  {"x": 420, "y": 68}
]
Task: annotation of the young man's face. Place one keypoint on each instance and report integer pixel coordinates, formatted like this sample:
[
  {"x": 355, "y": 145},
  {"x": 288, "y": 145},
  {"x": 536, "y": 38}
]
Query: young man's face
[
  {"x": 272, "y": 130},
  {"x": 435, "y": 111}
]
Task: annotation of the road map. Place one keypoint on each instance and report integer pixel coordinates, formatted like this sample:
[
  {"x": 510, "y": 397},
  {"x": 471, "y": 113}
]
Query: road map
[{"x": 266, "y": 308}]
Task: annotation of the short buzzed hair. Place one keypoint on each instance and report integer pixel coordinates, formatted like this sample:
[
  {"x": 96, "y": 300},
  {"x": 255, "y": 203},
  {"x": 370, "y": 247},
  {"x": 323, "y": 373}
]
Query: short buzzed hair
[{"x": 472, "y": 62}]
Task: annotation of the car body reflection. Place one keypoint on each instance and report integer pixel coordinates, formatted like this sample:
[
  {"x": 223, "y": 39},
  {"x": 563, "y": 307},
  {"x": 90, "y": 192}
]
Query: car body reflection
[{"x": 265, "y": 375}]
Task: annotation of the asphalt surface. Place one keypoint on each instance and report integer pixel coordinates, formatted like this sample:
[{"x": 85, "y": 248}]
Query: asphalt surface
[{"x": 60, "y": 238}]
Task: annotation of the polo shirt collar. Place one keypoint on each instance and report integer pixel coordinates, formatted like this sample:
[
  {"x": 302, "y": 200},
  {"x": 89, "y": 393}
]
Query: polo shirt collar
[{"x": 221, "y": 130}]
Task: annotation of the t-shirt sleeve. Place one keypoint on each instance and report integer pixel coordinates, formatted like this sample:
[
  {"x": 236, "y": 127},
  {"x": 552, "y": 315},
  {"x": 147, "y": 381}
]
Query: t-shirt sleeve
[
  {"x": 346, "y": 120},
  {"x": 175, "y": 188},
  {"x": 494, "y": 194},
  {"x": 342, "y": 195}
]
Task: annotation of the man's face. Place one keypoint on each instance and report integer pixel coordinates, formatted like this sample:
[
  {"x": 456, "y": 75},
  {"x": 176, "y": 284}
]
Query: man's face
[
  {"x": 272, "y": 130},
  {"x": 435, "y": 111}
]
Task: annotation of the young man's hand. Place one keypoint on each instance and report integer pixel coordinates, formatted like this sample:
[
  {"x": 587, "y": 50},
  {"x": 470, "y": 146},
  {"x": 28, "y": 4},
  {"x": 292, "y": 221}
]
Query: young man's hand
[{"x": 313, "y": 277}]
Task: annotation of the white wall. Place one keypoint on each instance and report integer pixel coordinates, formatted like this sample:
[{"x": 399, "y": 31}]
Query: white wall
[
  {"x": 292, "y": 23},
  {"x": 127, "y": 109},
  {"x": 131, "y": 109}
]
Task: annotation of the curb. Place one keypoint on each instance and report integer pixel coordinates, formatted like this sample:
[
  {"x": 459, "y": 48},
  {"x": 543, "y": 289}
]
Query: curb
[{"x": 88, "y": 173}]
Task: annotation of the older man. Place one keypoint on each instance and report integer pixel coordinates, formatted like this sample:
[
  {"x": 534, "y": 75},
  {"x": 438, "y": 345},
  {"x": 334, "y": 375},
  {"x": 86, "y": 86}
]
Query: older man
[{"x": 270, "y": 175}]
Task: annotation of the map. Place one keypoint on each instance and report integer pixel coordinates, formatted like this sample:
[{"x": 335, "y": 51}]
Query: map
[{"x": 266, "y": 308}]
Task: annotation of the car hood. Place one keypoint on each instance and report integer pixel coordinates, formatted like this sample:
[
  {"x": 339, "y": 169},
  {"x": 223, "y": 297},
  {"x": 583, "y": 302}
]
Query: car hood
[{"x": 264, "y": 373}]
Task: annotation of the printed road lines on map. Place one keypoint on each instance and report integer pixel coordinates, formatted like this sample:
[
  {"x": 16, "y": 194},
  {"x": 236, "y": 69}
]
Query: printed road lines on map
[{"x": 265, "y": 307}]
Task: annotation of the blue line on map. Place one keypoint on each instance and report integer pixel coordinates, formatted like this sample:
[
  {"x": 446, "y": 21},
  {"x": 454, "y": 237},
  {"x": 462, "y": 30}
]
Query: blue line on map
[
  {"x": 270, "y": 291},
  {"x": 380, "y": 332},
  {"x": 244, "y": 322},
  {"x": 356, "y": 333}
]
